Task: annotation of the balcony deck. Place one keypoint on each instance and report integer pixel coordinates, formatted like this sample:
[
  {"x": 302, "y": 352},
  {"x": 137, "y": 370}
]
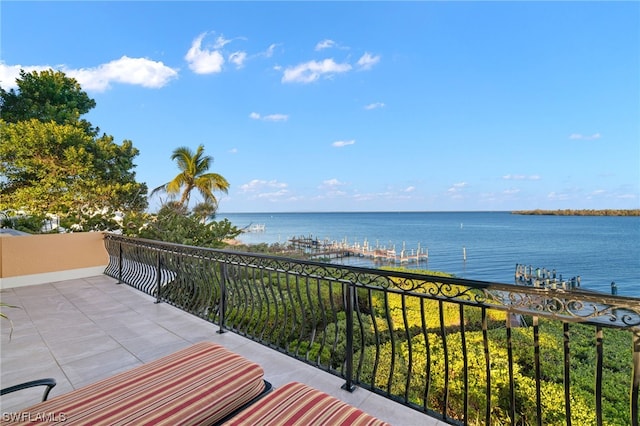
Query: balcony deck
[{"x": 82, "y": 330}]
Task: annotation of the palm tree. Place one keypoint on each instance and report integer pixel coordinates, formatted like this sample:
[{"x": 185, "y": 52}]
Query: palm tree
[{"x": 194, "y": 174}]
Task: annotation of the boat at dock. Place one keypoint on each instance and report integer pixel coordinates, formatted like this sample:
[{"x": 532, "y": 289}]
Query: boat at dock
[
  {"x": 544, "y": 278},
  {"x": 257, "y": 227}
]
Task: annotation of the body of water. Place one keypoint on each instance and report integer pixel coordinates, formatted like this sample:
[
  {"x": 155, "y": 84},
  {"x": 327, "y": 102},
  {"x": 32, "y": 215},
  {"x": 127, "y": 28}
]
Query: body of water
[{"x": 598, "y": 249}]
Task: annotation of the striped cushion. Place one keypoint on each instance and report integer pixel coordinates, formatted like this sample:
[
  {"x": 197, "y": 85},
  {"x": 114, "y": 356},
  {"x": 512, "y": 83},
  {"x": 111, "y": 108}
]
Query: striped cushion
[
  {"x": 198, "y": 385},
  {"x": 299, "y": 404}
]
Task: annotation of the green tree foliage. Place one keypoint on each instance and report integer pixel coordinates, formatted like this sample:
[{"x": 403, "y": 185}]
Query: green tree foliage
[
  {"x": 194, "y": 174},
  {"x": 51, "y": 161},
  {"x": 174, "y": 224},
  {"x": 46, "y": 96},
  {"x": 28, "y": 224},
  {"x": 203, "y": 211},
  {"x": 387, "y": 366}
]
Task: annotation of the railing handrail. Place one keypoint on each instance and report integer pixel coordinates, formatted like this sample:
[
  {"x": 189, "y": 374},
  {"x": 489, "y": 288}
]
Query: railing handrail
[
  {"x": 608, "y": 303},
  {"x": 266, "y": 298}
]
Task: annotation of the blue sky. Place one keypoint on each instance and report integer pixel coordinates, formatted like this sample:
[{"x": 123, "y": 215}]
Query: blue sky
[{"x": 359, "y": 106}]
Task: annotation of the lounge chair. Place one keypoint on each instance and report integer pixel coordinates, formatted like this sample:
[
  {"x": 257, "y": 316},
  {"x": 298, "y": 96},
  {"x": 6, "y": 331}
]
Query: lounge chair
[
  {"x": 200, "y": 385},
  {"x": 204, "y": 384},
  {"x": 300, "y": 405}
]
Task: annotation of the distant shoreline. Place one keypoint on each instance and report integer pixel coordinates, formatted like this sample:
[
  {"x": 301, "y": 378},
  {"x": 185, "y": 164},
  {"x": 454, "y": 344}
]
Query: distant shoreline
[{"x": 569, "y": 212}]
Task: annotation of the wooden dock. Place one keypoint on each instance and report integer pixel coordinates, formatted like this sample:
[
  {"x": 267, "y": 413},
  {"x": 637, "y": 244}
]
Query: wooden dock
[{"x": 340, "y": 249}]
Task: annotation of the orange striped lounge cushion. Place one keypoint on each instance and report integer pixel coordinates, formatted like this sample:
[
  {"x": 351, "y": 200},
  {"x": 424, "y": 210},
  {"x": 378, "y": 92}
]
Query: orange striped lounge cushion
[
  {"x": 199, "y": 385},
  {"x": 299, "y": 404}
]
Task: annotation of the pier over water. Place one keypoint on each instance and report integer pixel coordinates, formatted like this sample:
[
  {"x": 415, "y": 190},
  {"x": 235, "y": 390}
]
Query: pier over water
[{"x": 338, "y": 249}]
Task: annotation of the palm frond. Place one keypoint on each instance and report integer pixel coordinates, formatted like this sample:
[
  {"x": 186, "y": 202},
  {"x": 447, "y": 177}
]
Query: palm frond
[{"x": 194, "y": 174}]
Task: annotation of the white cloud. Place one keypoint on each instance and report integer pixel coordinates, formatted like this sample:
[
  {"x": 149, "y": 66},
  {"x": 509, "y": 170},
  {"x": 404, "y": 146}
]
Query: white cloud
[
  {"x": 266, "y": 190},
  {"x": 457, "y": 187},
  {"x": 238, "y": 58},
  {"x": 221, "y": 42},
  {"x": 332, "y": 188},
  {"x": 511, "y": 191},
  {"x": 340, "y": 144},
  {"x": 555, "y": 196},
  {"x": 410, "y": 189},
  {"x": 257, "y": 185},
  {"x": 325, "y": 44},
  {"x": 205, "y": 61},
  {"x": 521, "y": 177},
  {"x": 367, "y": 61},
  {"x": 627, "y": 196},
  {"x": 331, "y": 183},
  {"x": 272, "y": 196},
  {"x": 233, "y": 151},
  {"x": 211, "y": 59},
  {"x": 602, "y": 193},
  {"x": 135, "y": 71},
  {"x": 374, "y": 105},
  {"x": 579, "y": 136},
  {"x": 276, "y": 117},
  {"x": 270, "y": 117},
  {"x": 365, "y": 197},
  {"x": 269, "y": 52},
  {"x": 311, "y": 71}
]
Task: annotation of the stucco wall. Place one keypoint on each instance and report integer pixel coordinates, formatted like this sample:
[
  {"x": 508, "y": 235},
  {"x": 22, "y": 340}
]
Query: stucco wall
[{"x": 35, "y": 259}]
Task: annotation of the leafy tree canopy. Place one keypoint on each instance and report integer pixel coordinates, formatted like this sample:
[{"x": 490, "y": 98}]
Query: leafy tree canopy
[
  {"x": 46, "y": 96},
  {"x": 175, "y": 224},
  {"x": 51, "y": 161}
]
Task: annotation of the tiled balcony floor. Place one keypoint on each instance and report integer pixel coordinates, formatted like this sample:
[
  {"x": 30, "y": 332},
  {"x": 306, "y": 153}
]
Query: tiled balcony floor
[{"x": 83, "y": 330}]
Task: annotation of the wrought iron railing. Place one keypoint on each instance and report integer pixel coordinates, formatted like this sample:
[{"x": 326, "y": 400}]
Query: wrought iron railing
[{"x": 466, "y": 352}]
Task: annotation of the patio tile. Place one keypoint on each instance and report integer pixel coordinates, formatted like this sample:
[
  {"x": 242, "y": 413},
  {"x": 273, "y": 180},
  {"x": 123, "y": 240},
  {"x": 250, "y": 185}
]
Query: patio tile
[
  {"x": 130, "y": 327},
  {"x": 56, "y": 303},
  {"x": 96, "y": 328},
  {"x": 99, "y": 366},
  {"x": 87, "y": 295},
  {"x": 68, "y": 350},
  {"x": 104, "y": 311},
  {"x": 71, "y": 285},
  {"x": 148, "y": 348},
  {"x": 10, "y": 297},
  {"x": 194, "y": 334},
  {"x": 13, "y": 359},
  {"x": 36, "y": 290},
  {"x": 58, "y": 321},
  {"x": 16, "y": 325}
]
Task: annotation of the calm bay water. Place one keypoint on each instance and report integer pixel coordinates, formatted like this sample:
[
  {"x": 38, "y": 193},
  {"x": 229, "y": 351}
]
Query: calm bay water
[{"x": 598, "y": 249}]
